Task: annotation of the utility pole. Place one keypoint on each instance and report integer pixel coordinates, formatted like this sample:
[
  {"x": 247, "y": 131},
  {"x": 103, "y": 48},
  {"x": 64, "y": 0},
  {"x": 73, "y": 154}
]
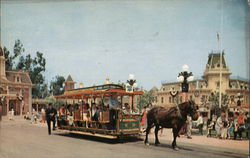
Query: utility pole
[{"x": 221, "y": 30}]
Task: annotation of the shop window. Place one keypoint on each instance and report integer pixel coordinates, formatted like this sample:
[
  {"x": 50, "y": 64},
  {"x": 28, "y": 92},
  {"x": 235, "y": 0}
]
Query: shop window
[
  {"x": 17, "y": 79},
  {"x": 218, "y": 84}
]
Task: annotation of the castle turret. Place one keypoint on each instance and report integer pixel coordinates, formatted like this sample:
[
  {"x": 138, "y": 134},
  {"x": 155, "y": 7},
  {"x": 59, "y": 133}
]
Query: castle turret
[
  {"x": 69, "y": 84},
  {"x": 107, "y": 81},
  {"x": 81, "y": 85},
  {"x": 212, "y": 72}
]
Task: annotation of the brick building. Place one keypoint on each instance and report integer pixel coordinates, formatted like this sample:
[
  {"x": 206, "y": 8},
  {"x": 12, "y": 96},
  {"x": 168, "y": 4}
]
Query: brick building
[{"x": 15, "y": 89}]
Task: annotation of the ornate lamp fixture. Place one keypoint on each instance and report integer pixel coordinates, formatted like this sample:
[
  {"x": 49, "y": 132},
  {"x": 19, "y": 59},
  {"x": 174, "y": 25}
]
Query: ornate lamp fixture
[
  {"x": 184, "y": 77},
  {"x": 131, "y": 83}
]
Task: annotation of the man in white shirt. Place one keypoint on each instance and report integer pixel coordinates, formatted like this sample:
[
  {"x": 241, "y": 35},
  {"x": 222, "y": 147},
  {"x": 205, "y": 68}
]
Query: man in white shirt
[{"x": 200, "y": 124}]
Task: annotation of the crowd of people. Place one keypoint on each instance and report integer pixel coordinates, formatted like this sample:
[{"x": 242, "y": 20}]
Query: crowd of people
[{"x": 225, "y": 127}]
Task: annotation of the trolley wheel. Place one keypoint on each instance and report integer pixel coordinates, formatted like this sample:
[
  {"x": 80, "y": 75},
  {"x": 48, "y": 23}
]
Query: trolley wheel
[{"x": 120, "y": 139}]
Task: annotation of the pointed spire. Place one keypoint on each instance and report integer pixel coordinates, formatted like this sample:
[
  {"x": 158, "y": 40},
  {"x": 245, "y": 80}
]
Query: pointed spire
[
  {"x": 69, "y": 83},
  {"x": 69, "y": 79}
]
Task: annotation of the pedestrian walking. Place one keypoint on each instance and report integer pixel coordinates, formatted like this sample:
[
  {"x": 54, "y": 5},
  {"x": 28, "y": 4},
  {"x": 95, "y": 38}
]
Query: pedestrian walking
[
  {"x": 12, "y": 113},
  {"x": 50, "y": 117},
  {"x": 43, "y": 115},
  {"x": 200, "y": 124},
  {"x": 144, "y": 119},
  {"x": 189, "y": 127},
  {"x": 33, "y": 116}
]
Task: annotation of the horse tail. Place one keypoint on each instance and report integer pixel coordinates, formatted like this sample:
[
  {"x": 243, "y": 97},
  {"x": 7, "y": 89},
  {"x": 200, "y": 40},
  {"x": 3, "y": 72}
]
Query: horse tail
[{"x": 150, "y": 119}]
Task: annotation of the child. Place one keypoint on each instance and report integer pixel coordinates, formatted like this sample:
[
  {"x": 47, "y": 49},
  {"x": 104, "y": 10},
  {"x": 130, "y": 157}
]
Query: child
[
  {"x": 224, "y": 130},
  {"x": 209, "y": 128},
  {"x": 230, "y": 128}
]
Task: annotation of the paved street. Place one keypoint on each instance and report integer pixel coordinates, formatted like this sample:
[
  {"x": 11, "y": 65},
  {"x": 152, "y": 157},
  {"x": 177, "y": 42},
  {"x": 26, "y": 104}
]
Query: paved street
[{"x": 20, "y": 139}]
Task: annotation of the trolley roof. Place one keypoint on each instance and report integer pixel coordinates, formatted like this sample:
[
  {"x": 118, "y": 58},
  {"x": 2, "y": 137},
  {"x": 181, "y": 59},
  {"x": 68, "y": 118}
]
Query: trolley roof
[{"x": 97, "y": 92}]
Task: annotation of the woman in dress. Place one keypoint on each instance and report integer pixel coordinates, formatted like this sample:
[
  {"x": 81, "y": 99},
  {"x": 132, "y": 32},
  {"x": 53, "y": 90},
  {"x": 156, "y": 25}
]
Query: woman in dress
[{"x": 143, "y": 119}]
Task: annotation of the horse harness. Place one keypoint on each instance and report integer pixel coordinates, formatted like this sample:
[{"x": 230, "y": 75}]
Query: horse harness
[{"x": 178, "y": 111}]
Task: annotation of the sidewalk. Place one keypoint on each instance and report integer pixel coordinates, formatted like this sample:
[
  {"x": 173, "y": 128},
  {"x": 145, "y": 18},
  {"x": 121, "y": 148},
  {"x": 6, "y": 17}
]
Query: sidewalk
[
  {"x": 198, "y": 140},
  {"x": 20, "y": 119},
  {"x": 167, "y": 137}
]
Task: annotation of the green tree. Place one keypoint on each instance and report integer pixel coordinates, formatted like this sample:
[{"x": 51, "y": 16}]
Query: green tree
[
  {"x": 145, "y": 100},
  {"x": 36, "y": 69},
  {"x": 35, "y": 66},
  {"x": 57, "y": 86},
  {"x": 214, "y": 102},
  {"x": 204, "y": 101},
  {"x": 8, "y": 62},
  {"x": 10, "y": 58}
]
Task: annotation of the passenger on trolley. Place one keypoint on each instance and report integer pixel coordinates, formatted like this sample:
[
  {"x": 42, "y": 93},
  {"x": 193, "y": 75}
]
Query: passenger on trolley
[
  {"x": 94, "y": 112},
  {"x": 127, "y": 109},
  {"x": 86, "y": 114},
  {"x": 62, "y": 111}
]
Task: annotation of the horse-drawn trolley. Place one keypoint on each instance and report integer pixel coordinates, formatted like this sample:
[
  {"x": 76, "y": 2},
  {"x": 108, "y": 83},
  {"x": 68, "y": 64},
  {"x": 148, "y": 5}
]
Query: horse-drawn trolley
[{"x": 105, "y": 110}]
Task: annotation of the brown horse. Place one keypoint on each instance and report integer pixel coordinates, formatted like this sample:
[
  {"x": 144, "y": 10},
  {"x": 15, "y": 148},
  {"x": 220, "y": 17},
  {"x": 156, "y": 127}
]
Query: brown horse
[{"x": 173, "y": 118}]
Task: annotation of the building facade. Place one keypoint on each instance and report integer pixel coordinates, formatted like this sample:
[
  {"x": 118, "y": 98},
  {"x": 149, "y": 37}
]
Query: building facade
[
  {"x": 15, "y": 89},
  {"x": 236, "y": 89}
]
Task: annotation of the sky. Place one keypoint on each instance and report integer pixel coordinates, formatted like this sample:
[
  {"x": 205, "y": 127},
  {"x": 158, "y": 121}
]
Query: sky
[{"x": 152, "y": 39}]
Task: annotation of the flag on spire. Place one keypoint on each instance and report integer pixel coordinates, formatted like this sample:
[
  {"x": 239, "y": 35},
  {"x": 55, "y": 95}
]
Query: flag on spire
[{"x": 218, "y": 36}]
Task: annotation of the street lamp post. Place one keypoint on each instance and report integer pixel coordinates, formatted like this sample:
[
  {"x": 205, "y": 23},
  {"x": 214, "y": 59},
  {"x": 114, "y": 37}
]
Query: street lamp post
[
  {"x": 131, "y": 79},
  {"x": 184, "y": 77},
  {"x": 240, "y": 95},
  {"x": 131, "y": 83},
  {"x": 239, "y": 99}
]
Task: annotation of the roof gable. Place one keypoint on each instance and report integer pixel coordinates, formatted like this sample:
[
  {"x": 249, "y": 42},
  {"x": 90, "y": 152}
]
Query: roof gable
[
  {"x": 23, "y": 77},
  {"x": 69, "y": 79}
]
